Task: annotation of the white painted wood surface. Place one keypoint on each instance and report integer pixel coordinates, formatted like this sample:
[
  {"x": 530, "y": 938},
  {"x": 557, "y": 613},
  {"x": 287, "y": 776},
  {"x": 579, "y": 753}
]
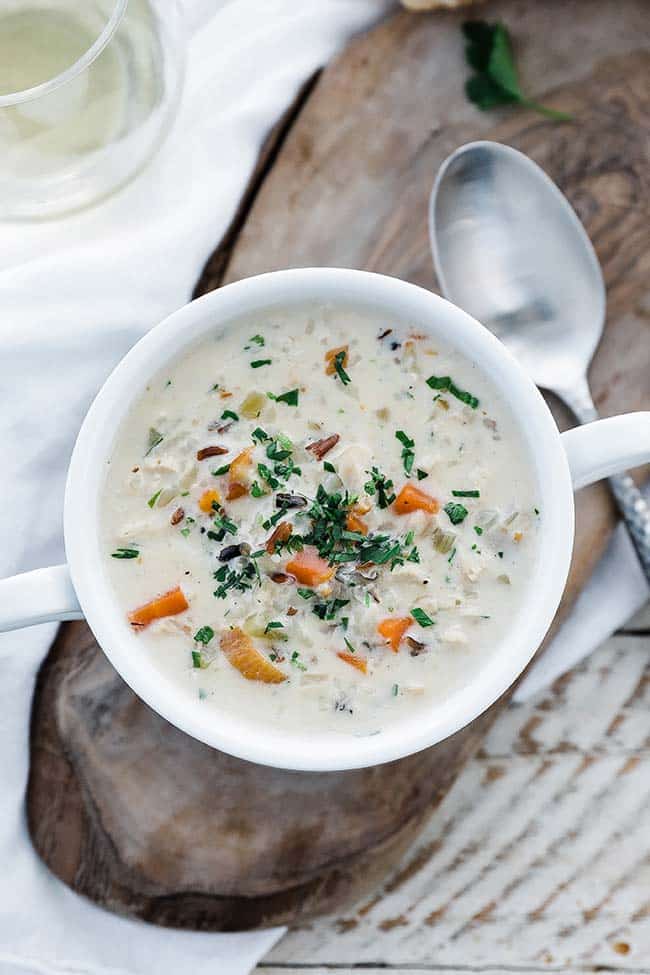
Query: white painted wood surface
[{"x": 538, "y": 859}]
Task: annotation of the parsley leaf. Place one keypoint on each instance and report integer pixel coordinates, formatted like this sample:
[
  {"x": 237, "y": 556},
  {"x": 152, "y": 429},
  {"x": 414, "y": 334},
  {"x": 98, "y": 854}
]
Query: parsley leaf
[
  {"x": 408, "y": 454},
  {"x": 447, "y": 383},
  {"x": 339, "y": 359},
  {"x": 456, "y": 512},
  {"x": 125, "y": 553},
  {"x": 204, "y": 635},
  {"x": 154, "y": 438},
  {"x": 229, "y": 415},
  {"x": 260, "y": 362},
  {"x": 421, "y": 617},
  {"x": 154, "y": 497},
  {"x": 380, "y": 485},
  {"x": 495, "y": 82},
  {"x": 466, "y": 494},
  {"x": 290, "y": 397}
]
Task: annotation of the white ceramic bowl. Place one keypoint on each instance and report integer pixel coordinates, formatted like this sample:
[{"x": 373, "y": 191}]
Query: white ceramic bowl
[{"x": 561, "y": 463}]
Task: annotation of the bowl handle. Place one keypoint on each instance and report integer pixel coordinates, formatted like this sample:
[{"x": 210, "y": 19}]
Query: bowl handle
[
  {"x": 605, "y": 447},
  {"x": 38, "y": 597}
]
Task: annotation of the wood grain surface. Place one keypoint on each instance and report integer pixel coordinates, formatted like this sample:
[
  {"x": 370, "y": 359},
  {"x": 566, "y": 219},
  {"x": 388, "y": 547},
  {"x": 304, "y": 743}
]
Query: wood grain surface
[{"x": 148, "y": 822}]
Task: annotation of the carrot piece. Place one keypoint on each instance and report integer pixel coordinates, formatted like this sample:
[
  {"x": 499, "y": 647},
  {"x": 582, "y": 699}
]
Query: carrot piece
[
  {"x": 236, "y": 490},
  {"x": 169, "y": 604},
  {"x": 308, "y": 567},
  {"x": 247, "y": 659},
  {"x": 330, "y": 356},
  {"x": 282, "y": 533},
  {"x": 411, "y": 498},
  {"x": 207, "y": 499},
  {"x": 355, "y": 524},
  {"x": 393, "y": 629},
  {"x": 349, "y": 658}
]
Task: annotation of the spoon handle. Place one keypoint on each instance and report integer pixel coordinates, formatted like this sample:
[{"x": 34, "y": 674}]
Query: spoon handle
[{"x": 631, "y": 503}]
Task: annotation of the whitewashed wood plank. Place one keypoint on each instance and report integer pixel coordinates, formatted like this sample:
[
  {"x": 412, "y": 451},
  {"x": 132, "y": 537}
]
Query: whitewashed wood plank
[{"x": 539, "y": 855}]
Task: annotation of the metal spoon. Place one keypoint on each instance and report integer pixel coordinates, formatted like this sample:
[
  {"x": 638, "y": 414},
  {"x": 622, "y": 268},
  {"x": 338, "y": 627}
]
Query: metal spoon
[{"x": 509, "y": 249}]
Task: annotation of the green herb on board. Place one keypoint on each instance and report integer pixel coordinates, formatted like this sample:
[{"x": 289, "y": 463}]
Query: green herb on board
[
  {"x": 488, "y": 51},
  {"x": 349, "y": 645},
  {"x": 196, "y": 658},
  {"x": 466, "y": 494},
  {"x": 297, "y": 662},
  {"x": 306, "y": 593},
  {"x": 257, "y": 363},
  {"x": 221, "y": 470},
  {"x": 273, "y": 625},
  {"x": 229, "y": 415},
  {"x": 329, "y": 467},
  {"x": 421, "y": 474}
]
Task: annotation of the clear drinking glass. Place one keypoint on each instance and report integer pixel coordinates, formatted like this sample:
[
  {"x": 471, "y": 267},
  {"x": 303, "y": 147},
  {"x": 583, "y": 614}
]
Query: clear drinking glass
[{"x": 87, "y": 91}]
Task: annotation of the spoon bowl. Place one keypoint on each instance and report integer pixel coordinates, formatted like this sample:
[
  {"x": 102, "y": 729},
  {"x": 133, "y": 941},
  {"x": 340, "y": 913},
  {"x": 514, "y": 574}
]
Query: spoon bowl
[{"x": 510, "y": 250}]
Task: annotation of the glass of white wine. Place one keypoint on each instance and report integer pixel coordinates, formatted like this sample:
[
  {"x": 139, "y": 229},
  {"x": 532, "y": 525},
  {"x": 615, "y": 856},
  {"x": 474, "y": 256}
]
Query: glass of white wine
[{"x": 88, "y": 89}]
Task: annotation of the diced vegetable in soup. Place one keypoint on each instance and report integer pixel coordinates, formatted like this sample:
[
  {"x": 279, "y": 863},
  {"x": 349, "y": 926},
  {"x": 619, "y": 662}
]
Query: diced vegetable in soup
[{"x": 320, "y": 519}]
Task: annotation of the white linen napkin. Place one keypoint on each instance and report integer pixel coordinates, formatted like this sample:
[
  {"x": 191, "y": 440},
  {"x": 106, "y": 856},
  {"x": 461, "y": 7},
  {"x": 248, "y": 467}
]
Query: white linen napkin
[{"x": 75, "y": 295}]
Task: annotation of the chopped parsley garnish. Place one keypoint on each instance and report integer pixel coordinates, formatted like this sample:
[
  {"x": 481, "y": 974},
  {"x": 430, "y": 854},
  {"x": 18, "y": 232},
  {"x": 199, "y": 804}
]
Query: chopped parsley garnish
[
  {"x": 395, "y": 690},
  {"x": 125, "y": 553},
  {"x": 273, "y": 625},
  {"x": 221, "y": 470},
  {"x": 452, "y": 556},
  {"x": 256, "y": 490},
  {"x": 290, "y": 397},
  {"x": 380, "y": 485},
  {"x": 154, "y": 438},
  {"x": 279, "y": 449},
  {"x": 329, "y": 467},
  {"x": 259, "y": 435},
  {"x": 466, "y": 494},
  {"x": 229, "y": 415},
  {"x": 260, "y": 362},
  {"x": 296, "y": 661},
  {"x": 536, "y": 510},
  {"x": 233, "y": 579},
  {"x": 414, "y": 555},
  {"x": 204, "y": 635},
  {"x": 274, "y": 519},
  {"x": 478, "y": 529},
  {"x": 185, "y": 532},
  {"x": 258, "y": 340},
  {"x": 421, "y": 617},
  {"x": 224, "y": 526},
  {"x": 196, "y": 658},
  {"x": 421, "y": 474},
  {"x": 339, "y": 371},
  {"x": 267, "y": 475},
  {"x": 408, "y": 455},
  {"x": 154, "y": 497},
  {"x": 446, "y": 383},
  {"x": 327, "y": 611},
  {"x": 306, "y": 593},
  {"x": 349, "y": 645},
  {"x": 456, "y": 512}
]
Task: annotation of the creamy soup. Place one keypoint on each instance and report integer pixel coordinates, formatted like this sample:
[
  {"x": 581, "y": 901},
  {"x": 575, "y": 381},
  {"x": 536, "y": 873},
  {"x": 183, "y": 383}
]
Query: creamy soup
[{"x": 320, "y": 519}]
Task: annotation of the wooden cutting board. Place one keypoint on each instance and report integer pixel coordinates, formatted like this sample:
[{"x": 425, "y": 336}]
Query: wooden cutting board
[{"x": 131, "y": 812}]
